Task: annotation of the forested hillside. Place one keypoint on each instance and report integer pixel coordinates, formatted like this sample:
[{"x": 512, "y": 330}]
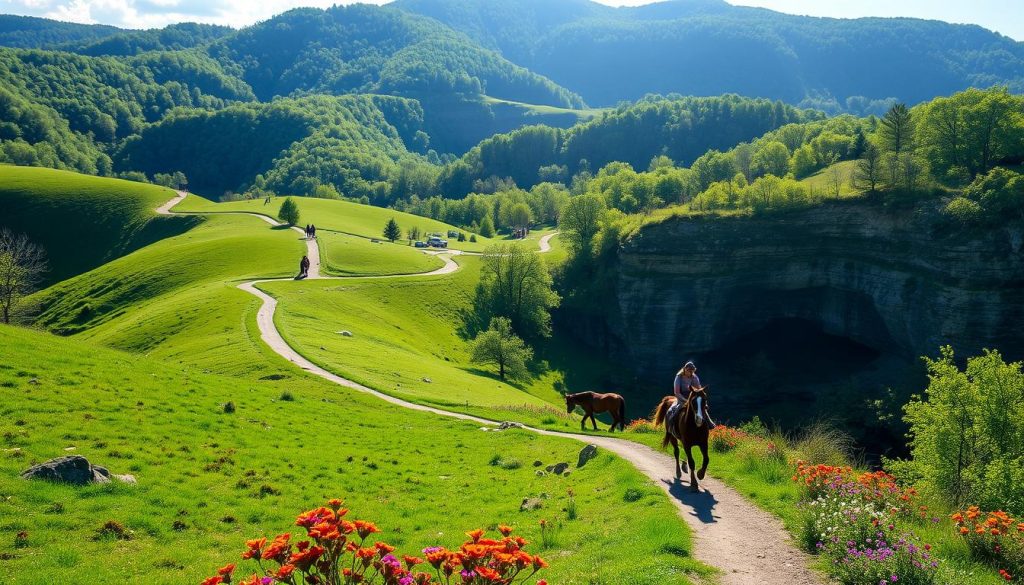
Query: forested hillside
[
  {"x": 386, "y": 106},
  {"x": 708, "y": 47},
  {"x": 285, "y": 146}
]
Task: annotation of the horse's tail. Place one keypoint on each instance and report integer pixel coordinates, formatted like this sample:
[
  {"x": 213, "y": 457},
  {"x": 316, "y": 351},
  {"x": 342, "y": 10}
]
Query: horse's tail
[{"x": 659, "y": 413}]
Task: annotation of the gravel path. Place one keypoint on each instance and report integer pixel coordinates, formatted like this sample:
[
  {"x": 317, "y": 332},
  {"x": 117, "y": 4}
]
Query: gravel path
[{"x": 748, "y": 545}]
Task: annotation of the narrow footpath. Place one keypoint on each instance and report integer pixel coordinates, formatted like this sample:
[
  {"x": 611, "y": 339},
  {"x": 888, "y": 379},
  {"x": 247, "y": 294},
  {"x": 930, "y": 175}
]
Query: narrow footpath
[{"x": 748, "y": 545}]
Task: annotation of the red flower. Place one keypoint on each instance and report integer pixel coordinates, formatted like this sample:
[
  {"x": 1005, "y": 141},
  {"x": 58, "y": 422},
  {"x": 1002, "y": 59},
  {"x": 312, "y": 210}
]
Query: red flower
[{"x": 213, "y": 580}]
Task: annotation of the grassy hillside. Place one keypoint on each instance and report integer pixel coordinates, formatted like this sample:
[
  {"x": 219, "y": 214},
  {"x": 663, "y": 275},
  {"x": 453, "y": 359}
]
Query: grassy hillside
[
  {"x": 825, "y": 180},
  {"x": 83, "y": 221},
  {"x": 176, "y": 298},
  {"x": 338, "y": 216},
  {"x": 408, "y": 341},
  {"x": 347, "y": 255},
  {"x": 208, "y": 480}
]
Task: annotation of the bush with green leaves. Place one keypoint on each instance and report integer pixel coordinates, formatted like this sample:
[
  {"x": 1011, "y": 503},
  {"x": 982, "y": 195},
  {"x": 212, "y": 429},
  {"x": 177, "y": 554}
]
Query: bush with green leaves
[
  {"x": 967, "y": 432},
  {"x": 289, "y": 212}
]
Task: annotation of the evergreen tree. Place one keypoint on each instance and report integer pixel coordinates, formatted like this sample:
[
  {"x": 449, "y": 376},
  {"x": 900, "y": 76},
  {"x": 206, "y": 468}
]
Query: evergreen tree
[
  {"x": 896, "y": 130},
  {"x": 391, "y": 230}
]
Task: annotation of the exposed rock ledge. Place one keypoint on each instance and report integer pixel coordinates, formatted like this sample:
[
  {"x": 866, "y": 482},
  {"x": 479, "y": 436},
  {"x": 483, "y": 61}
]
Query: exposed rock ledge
[{"x": 900, "y": 281}]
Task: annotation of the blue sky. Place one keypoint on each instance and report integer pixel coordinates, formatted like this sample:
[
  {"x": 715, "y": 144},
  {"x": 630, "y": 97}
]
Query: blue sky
[{"x": 1005, "y": 16}]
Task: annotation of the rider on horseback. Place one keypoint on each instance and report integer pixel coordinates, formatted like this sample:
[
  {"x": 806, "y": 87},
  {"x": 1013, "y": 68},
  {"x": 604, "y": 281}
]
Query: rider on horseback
[{"x": 686, "y": 381}]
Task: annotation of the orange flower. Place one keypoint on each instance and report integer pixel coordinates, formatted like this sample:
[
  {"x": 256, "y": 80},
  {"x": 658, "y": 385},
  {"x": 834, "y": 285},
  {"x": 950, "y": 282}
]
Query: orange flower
[
  {"x": 411, "y": 562},
  {"x": 475, "y": 534},
  {"x": 539, "y": 563},
  {"x": 226, "y": 569},
  {"x": 383, "y": 548},
  {"x": 364, "y": 528},
  {"x": 284, "y": 572},
  {"x": 335, "y": 504},
  {"x": 213, "y": 580},
  {"x": 505, "y": 530},
  {"x": 488, "y": 573}
]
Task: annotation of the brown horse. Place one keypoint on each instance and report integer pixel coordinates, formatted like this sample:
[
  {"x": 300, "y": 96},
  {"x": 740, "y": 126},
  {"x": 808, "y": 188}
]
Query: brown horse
[
  {"x": 592, "y": 402},
  {"x": 689, "y": 427}
]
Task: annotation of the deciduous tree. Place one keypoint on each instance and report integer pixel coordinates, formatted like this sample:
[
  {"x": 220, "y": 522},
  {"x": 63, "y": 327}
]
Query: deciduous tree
[
  {"x": 500, "y": 346},
  {"x": 22, "y": 265}
]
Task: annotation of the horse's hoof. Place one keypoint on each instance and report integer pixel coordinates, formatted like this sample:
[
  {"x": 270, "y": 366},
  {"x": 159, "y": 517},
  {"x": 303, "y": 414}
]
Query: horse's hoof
[
  {"x": 700, "y": 473},
  {"x": 686, "y": 469}
]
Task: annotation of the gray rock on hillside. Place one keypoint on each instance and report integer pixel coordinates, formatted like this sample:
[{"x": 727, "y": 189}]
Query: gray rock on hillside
[
  {"x": 557, "y": 468},
  {"x": 73, "y": 469},
  {"x": 586, "y": 454}
]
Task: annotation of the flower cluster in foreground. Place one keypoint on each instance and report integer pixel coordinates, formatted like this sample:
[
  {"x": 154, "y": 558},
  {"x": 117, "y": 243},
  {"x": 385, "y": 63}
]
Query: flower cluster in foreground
[
  {"x": 858, "y": 522},
  {"x": 994, "y": 537},
  {"x": 338, "y": 551}
]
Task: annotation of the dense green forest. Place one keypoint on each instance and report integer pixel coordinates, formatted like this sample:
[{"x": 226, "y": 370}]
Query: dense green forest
[
  {"x": 680, "y": 128},
  {"x": 709, "y": 47},
  {"x": 381, "y": 105}
]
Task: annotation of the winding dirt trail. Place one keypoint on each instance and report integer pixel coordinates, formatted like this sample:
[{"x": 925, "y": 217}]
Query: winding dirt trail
[{"x": 748, "y": 545}]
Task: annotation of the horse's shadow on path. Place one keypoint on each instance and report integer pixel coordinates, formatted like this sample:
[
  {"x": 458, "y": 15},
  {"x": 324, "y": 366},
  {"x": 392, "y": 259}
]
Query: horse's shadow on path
[{"x": 702, "y": 503}]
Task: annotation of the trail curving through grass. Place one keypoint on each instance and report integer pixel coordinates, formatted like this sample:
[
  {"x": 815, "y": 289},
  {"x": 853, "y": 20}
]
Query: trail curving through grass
[{"x": 748, "y": 545}]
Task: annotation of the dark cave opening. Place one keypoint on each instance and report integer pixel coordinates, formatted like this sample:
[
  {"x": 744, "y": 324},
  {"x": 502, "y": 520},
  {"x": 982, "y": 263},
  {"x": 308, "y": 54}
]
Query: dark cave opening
[{"x": 791, "y": 373}]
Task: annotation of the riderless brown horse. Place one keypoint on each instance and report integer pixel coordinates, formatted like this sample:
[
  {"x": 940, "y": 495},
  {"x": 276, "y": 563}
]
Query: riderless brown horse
[
  {"x": 689, "y": 427},
  {"x": 592, "y": 402}
]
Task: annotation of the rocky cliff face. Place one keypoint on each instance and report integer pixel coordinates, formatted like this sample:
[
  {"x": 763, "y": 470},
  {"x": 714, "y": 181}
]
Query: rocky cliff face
[{"x": 902, "y": 282}]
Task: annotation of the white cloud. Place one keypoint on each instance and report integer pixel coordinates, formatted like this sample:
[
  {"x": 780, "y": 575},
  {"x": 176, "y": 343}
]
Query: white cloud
[{"x": 158, "y": 13}]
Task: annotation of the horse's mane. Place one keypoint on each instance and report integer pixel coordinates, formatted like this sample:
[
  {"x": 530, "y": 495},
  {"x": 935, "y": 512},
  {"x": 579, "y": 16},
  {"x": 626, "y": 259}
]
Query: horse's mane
[{"x": 579, "y": 395}]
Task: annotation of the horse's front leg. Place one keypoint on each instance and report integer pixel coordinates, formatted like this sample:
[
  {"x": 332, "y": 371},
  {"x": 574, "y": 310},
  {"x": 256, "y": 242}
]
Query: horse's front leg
[
  {"x": 675, "y": 449},
  {"x": 705, "y": 459},
  {"x": 694, "y": 487}
]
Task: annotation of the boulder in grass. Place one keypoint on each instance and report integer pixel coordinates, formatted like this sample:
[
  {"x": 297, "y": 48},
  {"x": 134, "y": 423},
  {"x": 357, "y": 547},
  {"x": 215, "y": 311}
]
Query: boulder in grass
[
  {"x": 72, "y": 469},
  {"x": 586, "y": 454}
]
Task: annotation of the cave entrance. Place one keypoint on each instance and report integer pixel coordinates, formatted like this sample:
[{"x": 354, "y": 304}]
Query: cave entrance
[{"x": 790, "y": 372}]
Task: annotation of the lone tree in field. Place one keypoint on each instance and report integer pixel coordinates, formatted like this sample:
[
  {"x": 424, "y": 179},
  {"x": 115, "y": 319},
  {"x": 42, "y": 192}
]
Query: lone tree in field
[
  {"x": 867, "y": 174},
  {"x": 499, "y": 346},
  {"x": 289, "y": 212},
  {"x": 414, "y": 233},
  {"x": 22, "y": 265},
  {"x": 391, "y": 231}
]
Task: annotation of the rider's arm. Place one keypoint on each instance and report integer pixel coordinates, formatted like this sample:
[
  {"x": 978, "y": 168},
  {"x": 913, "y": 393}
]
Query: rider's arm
[{"x": 677, "y": 388}]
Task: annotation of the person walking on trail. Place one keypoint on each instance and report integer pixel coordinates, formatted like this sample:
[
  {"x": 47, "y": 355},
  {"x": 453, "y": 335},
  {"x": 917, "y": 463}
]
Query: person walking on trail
[
  {"x": 304, "y": 267},
  {"x": 312, "y": 231},
  {"x": 686, "y": 380},
  {"x": 307, "y": 231}
]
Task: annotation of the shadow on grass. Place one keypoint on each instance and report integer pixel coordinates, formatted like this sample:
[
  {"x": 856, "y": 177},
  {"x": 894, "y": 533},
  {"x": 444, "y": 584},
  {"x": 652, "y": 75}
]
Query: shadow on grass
[
  {"x": 491, "y": 375},
  {"x": 701, "y": 503}
]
